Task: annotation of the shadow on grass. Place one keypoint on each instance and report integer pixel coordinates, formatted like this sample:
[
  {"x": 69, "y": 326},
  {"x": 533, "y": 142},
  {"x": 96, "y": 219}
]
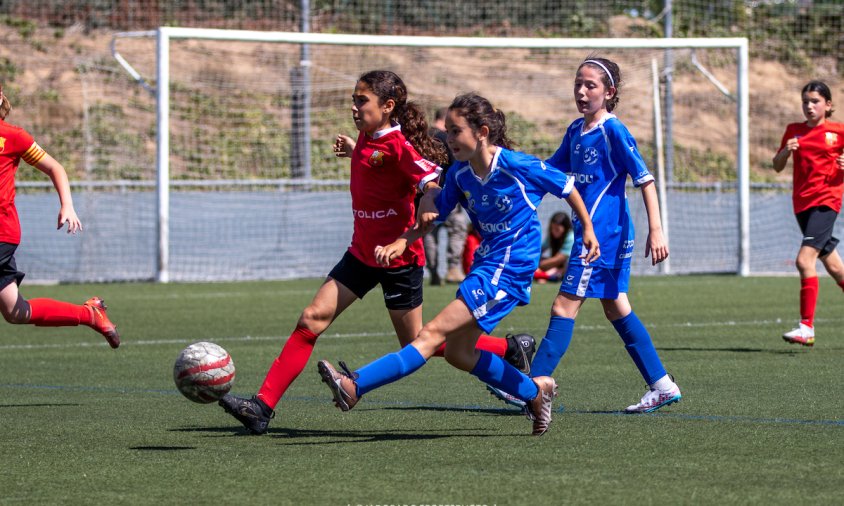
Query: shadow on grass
[
  {"x": 482, "y": 411},
  {"x": 40, "y": 405},
  {"x": 736, "y": 350},
  {"x": 348, "y": 436},
  {"x": 162, "y": 448}
]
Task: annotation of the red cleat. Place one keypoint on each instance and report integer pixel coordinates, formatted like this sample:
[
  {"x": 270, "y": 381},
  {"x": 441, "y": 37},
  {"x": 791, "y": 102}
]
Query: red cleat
[{"x": 100, "y": 321}]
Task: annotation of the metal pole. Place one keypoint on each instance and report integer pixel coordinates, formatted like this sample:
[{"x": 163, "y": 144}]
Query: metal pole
[
  {"x": 659, "y": 154},
  {"x": 669, "y": 96},
  {"x": 743, "y": 110},
  {"x": 305, "y": 65},
  {"x": 163, "y": 154}
]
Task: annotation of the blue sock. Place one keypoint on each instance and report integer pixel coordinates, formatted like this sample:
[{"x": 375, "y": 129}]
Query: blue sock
[
  {"x": 638, "y": 343},
  {"x": 389, "y": 368},
  {"x": 553, "y": 346},
  {"x": 494, "y": 371}
]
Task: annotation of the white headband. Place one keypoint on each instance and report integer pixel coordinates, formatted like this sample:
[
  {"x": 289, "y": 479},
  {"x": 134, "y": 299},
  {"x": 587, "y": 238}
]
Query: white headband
[{"x": 596, "y": 62}]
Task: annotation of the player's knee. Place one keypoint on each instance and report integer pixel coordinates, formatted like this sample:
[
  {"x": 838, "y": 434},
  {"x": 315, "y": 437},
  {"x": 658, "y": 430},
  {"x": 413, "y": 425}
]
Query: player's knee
[
  {"x": 16, "y": 317},
  {"x": 314, "y": 319}
]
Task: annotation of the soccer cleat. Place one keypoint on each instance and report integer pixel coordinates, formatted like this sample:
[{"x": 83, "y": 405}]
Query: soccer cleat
[
  {"x": 343, "y": 387},
  {"x": 100, "y": 321},
  {"x": 655, "y": 399},
  {"x": 504, "y": 396},
  {"x": 539, "y": 408},
  {"x": 520, "y": 350},
  {"x": 803, "y": 334},
  {"x": 252, "y": 413}
]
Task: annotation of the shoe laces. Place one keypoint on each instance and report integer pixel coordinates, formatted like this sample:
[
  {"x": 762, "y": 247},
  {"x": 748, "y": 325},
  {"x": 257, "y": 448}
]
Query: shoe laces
[{"x": 348, "y": 372}]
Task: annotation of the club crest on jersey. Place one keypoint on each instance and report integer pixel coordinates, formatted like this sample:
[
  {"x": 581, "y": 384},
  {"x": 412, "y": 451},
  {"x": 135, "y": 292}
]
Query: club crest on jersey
[
  {"x": 376, "y": 159},
  {"x": 503, "y": 203},
  {"x": 831, "y": 138},
  {"x": 2, "y": 143},
  {"x": 590, "y": 156}
]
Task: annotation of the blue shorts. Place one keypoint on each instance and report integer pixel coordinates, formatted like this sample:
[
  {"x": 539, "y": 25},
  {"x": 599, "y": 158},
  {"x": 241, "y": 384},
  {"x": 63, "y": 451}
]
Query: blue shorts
[
  {"x": 488, "y": 303},
  {"x": 595, "y": 282}
]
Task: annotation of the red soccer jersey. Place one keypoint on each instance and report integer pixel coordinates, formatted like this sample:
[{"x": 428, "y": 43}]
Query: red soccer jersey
[
  {"x": 818, "y": 181},
  {"x": 15, "y": 143},
  {"x": 386, "y": 171}
]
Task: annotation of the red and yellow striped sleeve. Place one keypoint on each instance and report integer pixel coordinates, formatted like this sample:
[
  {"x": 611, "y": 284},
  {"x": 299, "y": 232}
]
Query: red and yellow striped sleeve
[{"x": 34, "y": 154}]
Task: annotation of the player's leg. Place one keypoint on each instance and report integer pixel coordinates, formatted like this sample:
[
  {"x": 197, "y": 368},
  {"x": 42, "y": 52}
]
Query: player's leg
[
  {"x": 476, "y": 313},
  {"x": 332, "y": 298},
  {"x": 637, "y": 341},
  {"x": 816, "y": 224},
  {"x": 558, "y": 336},
  {"x": 835, "y": 267},
  {"x": 402, "y": 287},
  {"x": 48, "y": 312},
  {"x": 347, "y": 387}
]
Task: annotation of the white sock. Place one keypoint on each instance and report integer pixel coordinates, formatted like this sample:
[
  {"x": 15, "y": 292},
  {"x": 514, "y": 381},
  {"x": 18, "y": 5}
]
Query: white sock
[{"x": 663, "y": 384}]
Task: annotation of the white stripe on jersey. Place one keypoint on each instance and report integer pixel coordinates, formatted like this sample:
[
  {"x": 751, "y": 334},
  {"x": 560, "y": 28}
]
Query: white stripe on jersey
[{"x": 521, "y": 187}]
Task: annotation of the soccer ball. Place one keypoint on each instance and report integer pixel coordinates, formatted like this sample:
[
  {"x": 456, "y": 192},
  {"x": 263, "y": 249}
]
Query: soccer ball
[{"x": 204, "y": 372}]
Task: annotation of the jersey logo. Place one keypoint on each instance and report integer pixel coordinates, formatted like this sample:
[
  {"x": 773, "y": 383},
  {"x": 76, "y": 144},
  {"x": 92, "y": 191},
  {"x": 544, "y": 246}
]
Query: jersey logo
[
  {"x": 2, "y": 143},
  {"x": 590, "y": 156},
  {"x": 379, "y": 214},
  {"x": 376, "y": 159},
  {"x": 831, "y": 138},
  {"x": 503, "y": 203}
]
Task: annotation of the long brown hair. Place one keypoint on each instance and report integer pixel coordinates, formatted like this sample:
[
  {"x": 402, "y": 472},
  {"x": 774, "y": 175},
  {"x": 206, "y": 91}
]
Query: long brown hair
[{"x": 387, "y": 85}]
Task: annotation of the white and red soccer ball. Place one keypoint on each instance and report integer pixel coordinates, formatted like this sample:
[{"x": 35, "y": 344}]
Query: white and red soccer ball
[{"x": 204, "y": 372}]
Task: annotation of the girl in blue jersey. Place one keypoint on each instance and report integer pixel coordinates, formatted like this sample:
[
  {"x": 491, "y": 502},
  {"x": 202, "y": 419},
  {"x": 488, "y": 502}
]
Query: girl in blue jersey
[
  {"x": 598, "y": 152},
  {"x": 500, "y": 189}
]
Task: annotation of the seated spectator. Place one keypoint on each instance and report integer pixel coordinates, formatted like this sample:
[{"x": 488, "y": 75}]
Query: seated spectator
[{"x": 556, "y": 248}]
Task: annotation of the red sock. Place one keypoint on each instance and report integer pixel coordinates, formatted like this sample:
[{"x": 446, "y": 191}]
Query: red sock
[
  {"x": 287, "y": 367},
  {"x": 497, "y": 345},
  {"x": 55, "y": 313},
  {"x": 808, "y": 300},
  {"x": 841, "y": 284},
  {"x": 540, "y": 274}
]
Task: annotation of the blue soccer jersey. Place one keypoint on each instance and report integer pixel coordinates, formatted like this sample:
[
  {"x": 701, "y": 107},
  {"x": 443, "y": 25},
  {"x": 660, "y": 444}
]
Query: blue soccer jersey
[
  {"x": 599, "y": 161},
  {"x": 502, "y": 207}
]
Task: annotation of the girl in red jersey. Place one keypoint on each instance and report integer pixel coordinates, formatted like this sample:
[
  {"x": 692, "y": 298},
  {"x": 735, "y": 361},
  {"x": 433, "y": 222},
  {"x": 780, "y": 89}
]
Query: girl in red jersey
[
  {"x": 16, "y": 144},
  {"x": 386, "y": 173},
  {"x": 818, "y": 148}
]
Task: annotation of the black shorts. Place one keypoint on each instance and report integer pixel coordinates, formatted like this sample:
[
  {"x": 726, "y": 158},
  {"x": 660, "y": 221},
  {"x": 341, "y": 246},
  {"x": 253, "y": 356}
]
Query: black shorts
[
  {"x": 8, "y": 269},
  {"x": 817, "y": 223},
  {"x": 402, "y": 286}
]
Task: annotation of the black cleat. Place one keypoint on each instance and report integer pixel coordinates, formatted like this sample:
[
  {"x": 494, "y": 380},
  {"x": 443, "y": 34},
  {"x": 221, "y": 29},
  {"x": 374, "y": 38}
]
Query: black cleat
[
  {"x": 252, "y": 413},
  {"x": 520, "y": 350}
]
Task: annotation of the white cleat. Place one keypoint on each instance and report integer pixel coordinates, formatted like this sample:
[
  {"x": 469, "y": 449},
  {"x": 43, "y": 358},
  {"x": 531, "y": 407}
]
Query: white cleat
[
  {"x": 803, "y": 334},
  {"x": 655, "y": 399}
]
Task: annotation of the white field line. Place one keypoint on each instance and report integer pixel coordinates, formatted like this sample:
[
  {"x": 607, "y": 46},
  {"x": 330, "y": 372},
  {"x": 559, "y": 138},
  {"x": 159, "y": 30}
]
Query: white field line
[{"x": 390, "y": 334}]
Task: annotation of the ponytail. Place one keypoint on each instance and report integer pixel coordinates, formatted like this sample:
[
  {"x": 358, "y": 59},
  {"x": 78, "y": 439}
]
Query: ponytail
[{"x": 415, "y": 130}]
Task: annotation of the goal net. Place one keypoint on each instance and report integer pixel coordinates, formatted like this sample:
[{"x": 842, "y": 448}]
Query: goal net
[{"x": 223, "y": 139}]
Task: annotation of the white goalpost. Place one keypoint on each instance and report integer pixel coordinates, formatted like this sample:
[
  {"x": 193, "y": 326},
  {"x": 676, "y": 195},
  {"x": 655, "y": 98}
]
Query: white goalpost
[{"x": 308, "y": 98}]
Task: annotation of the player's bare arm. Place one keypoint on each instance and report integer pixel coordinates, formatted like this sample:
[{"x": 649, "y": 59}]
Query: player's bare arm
[
  {"x": 590, "y": 241},
  {"x": 656, "y": 246},
  {"x": 781, "y": 158},
  {"x": 428, "y": 213},
  {"x": 67, "y": 214}
]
